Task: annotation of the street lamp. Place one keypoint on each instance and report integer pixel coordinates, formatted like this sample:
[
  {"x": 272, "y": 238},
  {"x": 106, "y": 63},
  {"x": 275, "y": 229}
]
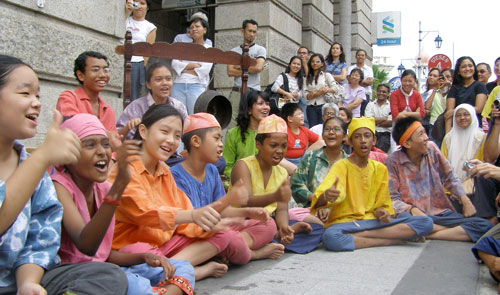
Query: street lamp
[
  {"x": 438, "y": 41},
  {"x": 401, "y": 69}
]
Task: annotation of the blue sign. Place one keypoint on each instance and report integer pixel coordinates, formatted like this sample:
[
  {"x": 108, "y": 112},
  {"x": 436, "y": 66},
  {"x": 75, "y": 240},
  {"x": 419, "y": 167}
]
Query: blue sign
[
  {"x": 395, "y": 83},
  {"x": 389, "y": 41}
]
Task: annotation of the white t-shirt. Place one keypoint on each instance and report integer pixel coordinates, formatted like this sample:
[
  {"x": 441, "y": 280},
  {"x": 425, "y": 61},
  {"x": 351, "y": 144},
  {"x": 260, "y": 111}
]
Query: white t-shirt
[
  {"x": 140, "y": 30},
  {"x": 203, "y": 71},
  {"x": 255, "y": 51}
]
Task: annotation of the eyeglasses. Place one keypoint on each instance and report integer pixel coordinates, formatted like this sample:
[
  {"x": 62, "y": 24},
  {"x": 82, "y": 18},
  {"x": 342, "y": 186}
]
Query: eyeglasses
[
  {"x": 329, "y": 114},
  {"x": 482, "y": 71},
  {"x": 334, "y": 129},
  {"x": 315, "y": 61},
  {"x": 98, "y": 69}
]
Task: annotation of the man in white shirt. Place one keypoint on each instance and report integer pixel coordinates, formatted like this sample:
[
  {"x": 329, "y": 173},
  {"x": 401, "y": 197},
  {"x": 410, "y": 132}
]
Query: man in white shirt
[
  {"x": 381, "y": 111},
  {"x": 368, "y": 77},
  {"x": 249, "y": 32}
]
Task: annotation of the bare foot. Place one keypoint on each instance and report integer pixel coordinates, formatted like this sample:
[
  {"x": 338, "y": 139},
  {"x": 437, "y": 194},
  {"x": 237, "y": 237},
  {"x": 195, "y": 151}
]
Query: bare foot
[
  {"x": 301, "y": 227},
  {"x": 418, "y": 240},
  {"x": 272, "y": 250},
  {"x": 221, "y": 260},
  {"x": 210, "y": 269}
]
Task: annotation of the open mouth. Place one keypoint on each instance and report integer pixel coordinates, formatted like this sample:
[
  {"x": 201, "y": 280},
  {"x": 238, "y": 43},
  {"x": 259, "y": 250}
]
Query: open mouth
[
  {"x": 277, "y": 159},
  {"x": 102, "y": 83},
  {"x": 32, "y": 117},
  {"x": 165, "y": 149},
  {"x": 102, "y": 165}
]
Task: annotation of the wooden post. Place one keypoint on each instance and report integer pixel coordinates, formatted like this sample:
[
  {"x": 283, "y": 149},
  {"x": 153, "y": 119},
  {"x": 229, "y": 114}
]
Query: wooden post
[
  {"x": 245, "y": 64},
  {"x": 128, "y": 68}
]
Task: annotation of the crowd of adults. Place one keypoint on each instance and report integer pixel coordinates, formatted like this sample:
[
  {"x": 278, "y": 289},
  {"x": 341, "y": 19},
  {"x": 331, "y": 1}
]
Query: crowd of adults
[{"x": 163, "y": 198}]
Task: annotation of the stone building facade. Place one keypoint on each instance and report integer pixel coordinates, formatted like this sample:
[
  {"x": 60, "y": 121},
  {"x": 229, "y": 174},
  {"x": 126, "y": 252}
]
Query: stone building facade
[{"x": 49, "y": 35}]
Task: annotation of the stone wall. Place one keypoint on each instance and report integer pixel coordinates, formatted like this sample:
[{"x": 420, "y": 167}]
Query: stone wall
[{"x": 50, "y": 38}]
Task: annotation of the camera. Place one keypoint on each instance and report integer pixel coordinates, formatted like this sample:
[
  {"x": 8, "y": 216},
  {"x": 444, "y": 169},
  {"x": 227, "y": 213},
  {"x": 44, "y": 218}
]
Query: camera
[
  {"x": 467, "y": 167},
  {"x": 496, "y": 104},
  {"x": 135, "y": 5}
]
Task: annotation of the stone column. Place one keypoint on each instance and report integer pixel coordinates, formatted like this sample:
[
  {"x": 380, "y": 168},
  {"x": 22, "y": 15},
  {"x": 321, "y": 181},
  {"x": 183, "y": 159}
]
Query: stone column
[{"x": 317, "y": 25}]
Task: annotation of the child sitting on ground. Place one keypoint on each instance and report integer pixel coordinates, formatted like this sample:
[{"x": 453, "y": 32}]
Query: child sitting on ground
[
  {"x": 30, "y": 226},
  {"x": 155, "y": 216},
  {"x": 356, "y": 191},
  {"x": 269, "y": 187},
  {"x": 89, "y": 204},
  {"x": 199, "y": 179},
  {"x": 299, "y": 137},
  {"x": 419, "y": 175}
]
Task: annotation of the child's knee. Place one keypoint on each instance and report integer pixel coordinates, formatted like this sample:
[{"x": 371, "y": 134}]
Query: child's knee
[
  {"x": 422, "y": 225},
  {"x": 237, "y": 250},
  {"x": 262, "y": 233},
  {"x": 335, "y": 240}
]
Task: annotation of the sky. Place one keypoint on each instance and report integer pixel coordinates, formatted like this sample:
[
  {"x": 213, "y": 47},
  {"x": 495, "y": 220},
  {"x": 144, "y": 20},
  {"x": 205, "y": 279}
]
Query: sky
[{"x": 470, "y": 29}]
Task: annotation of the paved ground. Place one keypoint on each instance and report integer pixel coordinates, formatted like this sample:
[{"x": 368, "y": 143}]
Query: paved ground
[{"x": 434, "y": 267}]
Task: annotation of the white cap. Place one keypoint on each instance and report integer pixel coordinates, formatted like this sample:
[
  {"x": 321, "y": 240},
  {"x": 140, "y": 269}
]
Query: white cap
[{"x": 199, "y": 14}]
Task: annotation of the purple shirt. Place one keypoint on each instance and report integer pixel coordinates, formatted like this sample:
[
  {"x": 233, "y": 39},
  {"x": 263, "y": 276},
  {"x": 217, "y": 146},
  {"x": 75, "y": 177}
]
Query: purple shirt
[
  {"x": 138, "y": 107},
  {"x": 422, "y": 187},
  {"x": 351, "y": 95}
]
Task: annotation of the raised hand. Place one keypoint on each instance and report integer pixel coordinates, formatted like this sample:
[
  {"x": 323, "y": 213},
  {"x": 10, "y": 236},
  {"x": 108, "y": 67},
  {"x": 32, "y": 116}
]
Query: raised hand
[
  {"x": 128, "y": 148},
  {"x": 60, "y": 146},
  {"x": 332, "y": 193}
]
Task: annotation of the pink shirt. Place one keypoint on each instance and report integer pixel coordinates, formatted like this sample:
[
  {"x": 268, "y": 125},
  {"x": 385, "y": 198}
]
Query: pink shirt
[
  {"x": 75, "y": 102},
  {"x": 68, "y": 251}
]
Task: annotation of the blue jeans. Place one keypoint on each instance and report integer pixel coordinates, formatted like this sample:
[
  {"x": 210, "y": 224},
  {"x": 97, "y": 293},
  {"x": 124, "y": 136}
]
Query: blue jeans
[
  {"x": 337, "y": 236},
  {"x": 303, "y": 107},
  {"x": 137, "y": 80},
  {"x": 314, "y": 115},
  {"x": 142, "y": 277},
  {"x": 188, "y": 94}
]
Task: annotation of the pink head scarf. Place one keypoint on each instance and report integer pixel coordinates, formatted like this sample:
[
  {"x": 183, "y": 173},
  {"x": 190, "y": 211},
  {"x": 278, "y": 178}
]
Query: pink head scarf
[{"x": 84, "y": 125}]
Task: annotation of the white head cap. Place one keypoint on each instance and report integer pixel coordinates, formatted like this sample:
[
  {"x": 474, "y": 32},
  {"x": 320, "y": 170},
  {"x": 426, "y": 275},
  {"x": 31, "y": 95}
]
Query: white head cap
[{"x": 199, "y": 14}]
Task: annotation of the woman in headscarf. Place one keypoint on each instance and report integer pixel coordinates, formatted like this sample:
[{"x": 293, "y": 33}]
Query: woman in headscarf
[{"x": 467, "y": 141}]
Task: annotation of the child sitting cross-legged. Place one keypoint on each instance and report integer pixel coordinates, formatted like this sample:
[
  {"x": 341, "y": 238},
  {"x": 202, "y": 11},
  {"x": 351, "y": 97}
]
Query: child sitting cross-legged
[
  {"x": 357, "y": 193},
  {"x": 155, "y": 216},
  {"x": 269, "y": 187},
  {"x": 198, "y": 177},
  {"x": 89, "y": 204}
]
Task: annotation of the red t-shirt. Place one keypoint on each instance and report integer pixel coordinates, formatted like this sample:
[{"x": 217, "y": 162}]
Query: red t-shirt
[{"x": 297, "y": 143}]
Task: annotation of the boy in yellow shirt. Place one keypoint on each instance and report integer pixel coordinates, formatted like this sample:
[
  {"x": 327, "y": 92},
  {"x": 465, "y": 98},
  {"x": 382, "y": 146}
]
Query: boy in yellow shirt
[{"x": 357, "y": 193}]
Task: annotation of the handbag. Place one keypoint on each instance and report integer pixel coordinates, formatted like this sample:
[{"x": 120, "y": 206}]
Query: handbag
[{"x": 276, "y": 101}]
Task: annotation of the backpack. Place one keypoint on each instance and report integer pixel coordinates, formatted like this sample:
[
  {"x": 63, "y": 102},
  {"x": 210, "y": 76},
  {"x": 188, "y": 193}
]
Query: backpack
[{"x": 274, "y": 98}]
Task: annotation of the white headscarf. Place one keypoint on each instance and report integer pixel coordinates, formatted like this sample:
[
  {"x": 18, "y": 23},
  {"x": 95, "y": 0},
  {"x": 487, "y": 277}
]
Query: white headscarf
[{"x": 465, "y": 142}]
